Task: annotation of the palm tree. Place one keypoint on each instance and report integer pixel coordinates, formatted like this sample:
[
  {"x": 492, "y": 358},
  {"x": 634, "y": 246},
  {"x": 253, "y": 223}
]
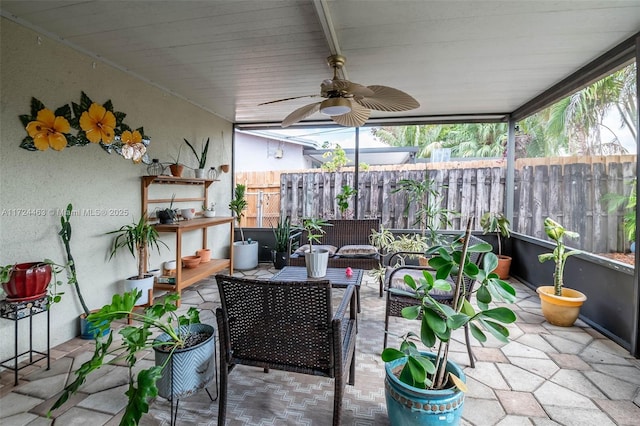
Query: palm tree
[{"x": 580, "y": 116}]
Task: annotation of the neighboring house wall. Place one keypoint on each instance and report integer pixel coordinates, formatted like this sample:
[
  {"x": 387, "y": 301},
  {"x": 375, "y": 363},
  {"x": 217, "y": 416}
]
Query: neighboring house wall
[
  {"x": 89, "y": 178},
  {"x": 256, "y": 154}
]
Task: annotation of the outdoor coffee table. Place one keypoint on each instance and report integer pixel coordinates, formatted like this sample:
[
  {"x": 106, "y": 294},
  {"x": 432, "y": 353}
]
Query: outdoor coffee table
[{"x": 336, "y": 276}]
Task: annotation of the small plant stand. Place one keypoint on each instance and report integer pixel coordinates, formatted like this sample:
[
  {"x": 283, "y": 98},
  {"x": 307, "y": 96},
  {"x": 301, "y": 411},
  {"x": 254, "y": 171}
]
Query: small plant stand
[
  {"x": 174, "y": 410},
  {"x": 15, "y": 311}
]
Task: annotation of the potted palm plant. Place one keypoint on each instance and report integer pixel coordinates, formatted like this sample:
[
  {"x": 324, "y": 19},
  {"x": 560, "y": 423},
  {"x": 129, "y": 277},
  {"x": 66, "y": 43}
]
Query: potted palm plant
[
  {"x": 427, "y": 388},
  {"x": 137, "y": 237},
  {"x": 184, "y": 349},
  {"x": 200, "y": 158},
  {"x": 498, "y": 223},
  {"x": 317, "y": 259},
  {"x": 245, "y": 253},
  {"x": 560, "y": 305}
]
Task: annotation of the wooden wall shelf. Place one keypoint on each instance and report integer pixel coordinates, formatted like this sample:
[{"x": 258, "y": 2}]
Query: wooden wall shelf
[{"x": 184, "y": 276}]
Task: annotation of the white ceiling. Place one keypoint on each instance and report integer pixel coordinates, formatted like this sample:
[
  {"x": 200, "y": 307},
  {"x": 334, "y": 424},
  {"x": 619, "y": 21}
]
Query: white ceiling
[{"x": 228, "y": 56}]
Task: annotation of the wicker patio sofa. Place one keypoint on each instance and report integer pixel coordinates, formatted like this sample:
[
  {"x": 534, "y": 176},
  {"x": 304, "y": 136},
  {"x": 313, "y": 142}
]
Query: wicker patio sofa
[{"x": 343, "y": 233}]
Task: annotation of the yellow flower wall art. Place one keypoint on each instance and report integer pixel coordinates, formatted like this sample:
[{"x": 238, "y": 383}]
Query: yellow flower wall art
[
  {"x": 98, "y": 124},
  {"x": 81, "y": 124},
  {"x": 47, "y": 130}
]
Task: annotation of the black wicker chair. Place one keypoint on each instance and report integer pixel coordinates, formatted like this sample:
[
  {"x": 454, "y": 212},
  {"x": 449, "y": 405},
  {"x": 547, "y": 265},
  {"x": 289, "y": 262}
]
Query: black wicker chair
[
  {"x": 396, "y": 301},
  {"x": 286, "y": 326}
]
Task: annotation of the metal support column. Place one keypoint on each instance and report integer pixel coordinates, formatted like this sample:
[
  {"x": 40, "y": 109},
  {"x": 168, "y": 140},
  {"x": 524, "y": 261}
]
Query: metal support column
[
  {"x": 510, "y": 184},
  {"x": 635, "y": 336}
]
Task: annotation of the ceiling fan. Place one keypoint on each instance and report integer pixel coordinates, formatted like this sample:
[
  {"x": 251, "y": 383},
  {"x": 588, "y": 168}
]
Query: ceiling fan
[{"x": 349, "y": 104}]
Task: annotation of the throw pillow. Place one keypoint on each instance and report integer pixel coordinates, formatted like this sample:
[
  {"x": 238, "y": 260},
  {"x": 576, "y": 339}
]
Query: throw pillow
[
  {"x": 363, "y": 250},
  {"x": 305, "y": 248}
]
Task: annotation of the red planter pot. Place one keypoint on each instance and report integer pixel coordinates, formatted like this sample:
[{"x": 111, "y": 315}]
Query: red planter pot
[{"x": 28, "y": 281}]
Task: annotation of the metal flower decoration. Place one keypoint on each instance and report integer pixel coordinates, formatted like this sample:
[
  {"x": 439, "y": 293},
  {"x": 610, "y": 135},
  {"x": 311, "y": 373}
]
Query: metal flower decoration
[{"x": 93, "y": 123}]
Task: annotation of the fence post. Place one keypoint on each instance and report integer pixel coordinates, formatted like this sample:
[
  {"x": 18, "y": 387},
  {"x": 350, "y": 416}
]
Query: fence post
[{"x": 260, "y": 213}]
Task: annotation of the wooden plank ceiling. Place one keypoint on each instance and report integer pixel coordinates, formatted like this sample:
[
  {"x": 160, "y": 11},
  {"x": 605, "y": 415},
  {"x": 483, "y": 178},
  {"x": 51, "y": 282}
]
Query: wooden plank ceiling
[{"x": 228, "y": 56}]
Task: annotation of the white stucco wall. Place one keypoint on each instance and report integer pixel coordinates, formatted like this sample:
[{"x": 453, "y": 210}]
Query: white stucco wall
[{"x": 87, "y": 177}]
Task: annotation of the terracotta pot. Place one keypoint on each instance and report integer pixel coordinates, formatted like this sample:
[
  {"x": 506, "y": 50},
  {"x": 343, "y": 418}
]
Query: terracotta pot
[
  {"x": 224, "y": 168},
  {"x": 190, "y": 262},
  {"x": 205, "y": 255},
  {"x": 28, "y": 281},
  {"x": 176, "y": 169},
  {"x": 504, "y": 267},
  {"x": 562, "y": 310}
]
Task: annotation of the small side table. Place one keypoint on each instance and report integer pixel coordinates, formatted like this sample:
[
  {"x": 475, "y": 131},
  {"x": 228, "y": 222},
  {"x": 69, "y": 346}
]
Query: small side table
[{"x": 15, "y": 311}]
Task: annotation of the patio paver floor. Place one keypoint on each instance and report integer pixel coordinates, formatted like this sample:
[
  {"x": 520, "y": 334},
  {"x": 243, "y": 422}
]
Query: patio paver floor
[{"x": 545, "y": 376}]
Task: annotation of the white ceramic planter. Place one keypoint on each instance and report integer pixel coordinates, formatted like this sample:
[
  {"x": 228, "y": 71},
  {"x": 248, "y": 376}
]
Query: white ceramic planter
[
  {"x": 316, "y": 262},
  {"x": 245, "y": 255},
  {"x": 144, "y": 285}
]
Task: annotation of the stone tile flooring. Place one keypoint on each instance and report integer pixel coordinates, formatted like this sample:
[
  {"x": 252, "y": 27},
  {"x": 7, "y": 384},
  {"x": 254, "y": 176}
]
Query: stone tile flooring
[{"x": 546, "y": 375}]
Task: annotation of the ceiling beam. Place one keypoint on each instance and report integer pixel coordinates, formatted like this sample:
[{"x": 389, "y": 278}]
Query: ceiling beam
[{"x": 324, "y": 15}]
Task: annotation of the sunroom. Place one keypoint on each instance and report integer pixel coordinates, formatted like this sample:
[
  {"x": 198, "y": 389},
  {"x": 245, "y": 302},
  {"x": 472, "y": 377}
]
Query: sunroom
[{"x": 207, "y": 70}]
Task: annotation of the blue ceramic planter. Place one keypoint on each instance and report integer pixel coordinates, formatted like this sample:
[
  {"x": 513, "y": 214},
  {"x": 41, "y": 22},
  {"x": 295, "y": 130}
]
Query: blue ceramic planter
[
  {"x": 89, "y": 331},
  {"x": 407, "y": 405}
]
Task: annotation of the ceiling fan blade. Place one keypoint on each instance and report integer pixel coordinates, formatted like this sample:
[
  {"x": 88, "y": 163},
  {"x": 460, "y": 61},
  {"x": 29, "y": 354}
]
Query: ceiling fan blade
[
  {"x": 387, "y": 99},
  {"x": 355, "y": 118},
  {"x": 288, "y": 99},
  {"x": 358, "y": 90},
  {"x": 300, "y": 114}
]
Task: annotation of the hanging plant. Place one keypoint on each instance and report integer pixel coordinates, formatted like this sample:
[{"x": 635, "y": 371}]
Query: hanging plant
[{"x": 94, "y": 123}]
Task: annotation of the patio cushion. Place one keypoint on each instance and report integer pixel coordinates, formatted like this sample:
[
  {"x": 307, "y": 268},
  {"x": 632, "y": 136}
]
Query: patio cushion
[
  {"x": 305, "y": 248},
  {"x": 357, "y": 250}
]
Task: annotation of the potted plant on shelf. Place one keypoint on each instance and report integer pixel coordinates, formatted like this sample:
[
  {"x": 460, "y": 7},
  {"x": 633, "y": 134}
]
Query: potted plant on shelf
[
  {"x": 137, "y": 237},
  {"x": 176, "y": 167},
  {"x": 316, "y": 260},
  {"x": 282, "y": 233},
  {"x": 560, "y": 305},
  {"x": 498, "y": 223},
  {"x": 245, "y": 253},
  {"x": 184, "y": 349},
  {"x": 427, "y": 388},
  {"x": 167, "y": 215},
  {"x": 200, "y": 158}
]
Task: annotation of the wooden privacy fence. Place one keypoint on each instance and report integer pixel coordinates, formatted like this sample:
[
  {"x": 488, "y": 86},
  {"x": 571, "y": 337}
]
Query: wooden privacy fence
[{"x": 569, "y": 190}]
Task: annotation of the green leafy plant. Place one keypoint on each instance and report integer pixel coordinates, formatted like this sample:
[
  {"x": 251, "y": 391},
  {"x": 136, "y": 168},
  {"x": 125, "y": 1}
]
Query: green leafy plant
[
  {"x": 237, "y": 205},
  {"x": 313, "y": 227},
  {"x": 338, "y": 159},
  {"x": 628, "y": 202},
  {"x": 387, "y": 244},
  {"x": 176, "y": 159},
  {"x": 202, "y": 157},
  {"x": 559, "y": 255},
  {"x": 498, "y": 223},
  {"x": 439, "y": 320},
  {"x": 282, "y": 232},
  {"x": 343, "y": 198},
  {"x": 160, "y": 317},
  {"x": 137, "y": 237},
  {"x": 427, "y": 199},
  {"x": 72, "y": 273}
]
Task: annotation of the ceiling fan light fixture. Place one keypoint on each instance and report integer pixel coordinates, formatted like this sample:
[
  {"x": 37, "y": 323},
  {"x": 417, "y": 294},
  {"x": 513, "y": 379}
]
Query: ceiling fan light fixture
[{"x": 335, "y": 106}]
